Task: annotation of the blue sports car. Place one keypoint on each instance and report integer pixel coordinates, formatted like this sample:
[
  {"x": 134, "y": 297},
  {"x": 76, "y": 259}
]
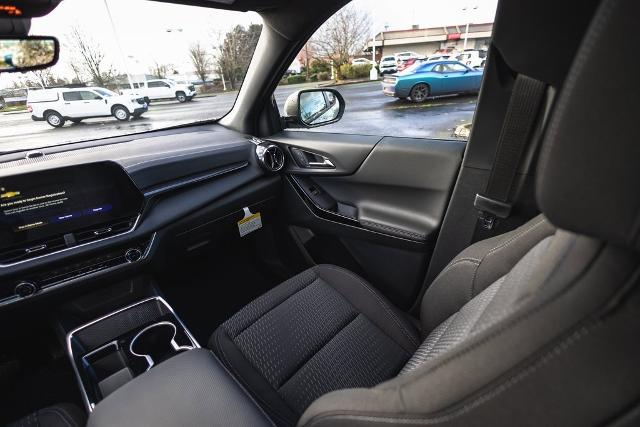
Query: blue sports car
[{"x": 434, "y": 78}]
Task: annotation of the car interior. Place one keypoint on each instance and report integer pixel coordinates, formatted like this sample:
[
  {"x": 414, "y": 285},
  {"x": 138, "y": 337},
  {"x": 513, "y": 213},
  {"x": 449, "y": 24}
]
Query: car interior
[{"x": 248, "y": 271}]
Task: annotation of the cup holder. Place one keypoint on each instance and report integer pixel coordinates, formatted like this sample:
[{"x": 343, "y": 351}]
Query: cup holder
[{"x": 157, "y": 343}]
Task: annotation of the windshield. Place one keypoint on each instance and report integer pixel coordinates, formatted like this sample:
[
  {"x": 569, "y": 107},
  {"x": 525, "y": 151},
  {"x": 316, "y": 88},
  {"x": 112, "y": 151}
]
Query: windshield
[
  {"x": 105, "y": 92},
  {"x": 193, "y": 60}
]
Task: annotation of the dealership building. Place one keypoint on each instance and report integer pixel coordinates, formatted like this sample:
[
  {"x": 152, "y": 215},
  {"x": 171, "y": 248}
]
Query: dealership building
[{"x": 426, "y": 41}]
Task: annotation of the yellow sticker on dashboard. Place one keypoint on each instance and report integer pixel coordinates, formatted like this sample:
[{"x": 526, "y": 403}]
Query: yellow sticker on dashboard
[{"x": 250, "y": 223}]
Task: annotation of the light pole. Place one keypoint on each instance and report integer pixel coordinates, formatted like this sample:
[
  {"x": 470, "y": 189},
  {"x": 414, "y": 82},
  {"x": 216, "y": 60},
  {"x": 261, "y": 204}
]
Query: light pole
[
  {"x": 466, "y": 32},
  {"x": 373, "y": 74},
  {"x": 115, "y": 34}
]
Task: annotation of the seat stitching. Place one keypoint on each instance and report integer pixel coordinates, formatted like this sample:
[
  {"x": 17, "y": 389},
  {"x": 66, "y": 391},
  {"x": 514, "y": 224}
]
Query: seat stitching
[
  {"x": 517, "y": 377},
  {"x": 415, "y": 235},
  {"x": 517, "y": 236},
  {"x": 239, "y": 377},
  {"x": 393, "y": 316},
  {"x": 500, "y": 247},
  {"x": 274, "y": 307}
]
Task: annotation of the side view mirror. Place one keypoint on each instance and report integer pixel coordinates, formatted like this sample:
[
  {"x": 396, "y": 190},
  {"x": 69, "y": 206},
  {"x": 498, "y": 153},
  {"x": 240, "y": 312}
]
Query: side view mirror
[
  {"x": 313, "y": 107},
  {"x": 27, "y": 53}
]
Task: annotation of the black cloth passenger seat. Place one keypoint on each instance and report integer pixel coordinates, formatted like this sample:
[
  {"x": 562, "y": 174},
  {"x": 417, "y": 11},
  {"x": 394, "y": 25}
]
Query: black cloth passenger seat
[{"x": 538, "y": 326}]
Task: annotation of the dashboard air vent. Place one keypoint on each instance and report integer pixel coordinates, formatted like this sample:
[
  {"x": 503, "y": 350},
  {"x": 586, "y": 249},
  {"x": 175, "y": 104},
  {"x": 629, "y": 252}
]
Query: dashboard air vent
[
  {"x": 104, "y": 230},
  {"x": 271, "y": 157},
  {"x": 31, "y": 250},
  {"x": 44, "y": 247}
]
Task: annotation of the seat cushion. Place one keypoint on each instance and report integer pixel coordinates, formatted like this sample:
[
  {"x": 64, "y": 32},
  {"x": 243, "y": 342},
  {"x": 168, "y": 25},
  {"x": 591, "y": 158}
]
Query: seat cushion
[
  {"x": 322, "y": 330},
  {"x": 60, "y": 415}
]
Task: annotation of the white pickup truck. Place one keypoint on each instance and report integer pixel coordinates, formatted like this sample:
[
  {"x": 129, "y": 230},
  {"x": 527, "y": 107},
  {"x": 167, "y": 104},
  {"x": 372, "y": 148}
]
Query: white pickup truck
[
  {"x": 161, "y": 89},
  {"x": 57, "y": 105}
]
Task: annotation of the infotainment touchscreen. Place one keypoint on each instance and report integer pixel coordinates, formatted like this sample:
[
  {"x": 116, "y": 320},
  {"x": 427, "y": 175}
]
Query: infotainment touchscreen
[{"x": 53, "y": 202}]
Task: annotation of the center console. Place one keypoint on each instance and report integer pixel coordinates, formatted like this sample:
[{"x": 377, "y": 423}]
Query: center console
[
  {"x": 112, "y": 350},
  {"x": 140, "y": 365}
]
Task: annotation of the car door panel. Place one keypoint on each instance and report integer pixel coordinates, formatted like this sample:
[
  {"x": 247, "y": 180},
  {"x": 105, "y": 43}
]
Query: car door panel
[
  {"x": 395, "y": 266},
  {"x": 402, "y": 188},
  {"x": 346, "y": 152},
  {"x": 436, "y": 83},
  {"x": 379, "y": 212},
  {"x": 74, "y": 108}
]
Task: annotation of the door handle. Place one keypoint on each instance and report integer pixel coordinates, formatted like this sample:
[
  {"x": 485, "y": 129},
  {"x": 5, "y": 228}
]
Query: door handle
[
  {"x": 67, "y": 103},
  {"x": 325, "y": 163},
  {"x": 307, "y": 159}
]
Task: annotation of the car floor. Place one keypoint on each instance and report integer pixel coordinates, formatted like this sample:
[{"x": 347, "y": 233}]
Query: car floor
[
  {"x": 220, "y": 282},
  {"x": 35, "y": 373}
]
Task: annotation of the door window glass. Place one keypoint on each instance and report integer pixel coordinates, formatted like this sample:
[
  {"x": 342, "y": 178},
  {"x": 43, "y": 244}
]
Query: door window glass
[
  {"x": 380, "y": 102},
  {"x": 456, "y": 68},
  {"x": 86, "y": 95},
  {"x": 71, "y": 96}
]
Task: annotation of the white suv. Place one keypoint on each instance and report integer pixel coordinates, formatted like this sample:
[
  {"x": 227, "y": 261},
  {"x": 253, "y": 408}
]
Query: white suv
[
  {"x": 162, "y": 89},
  {"x": 58, "y": 105},
  {"x": 388, "y": 64},
  {"x": 474, "y": 58}
]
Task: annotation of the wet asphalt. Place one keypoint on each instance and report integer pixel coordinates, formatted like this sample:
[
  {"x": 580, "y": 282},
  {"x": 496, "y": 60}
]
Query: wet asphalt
[{"x": 367, "y": 112}]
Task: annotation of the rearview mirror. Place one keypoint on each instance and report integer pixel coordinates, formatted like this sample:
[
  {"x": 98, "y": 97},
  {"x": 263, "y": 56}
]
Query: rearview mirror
[
  {"x": 314, "y": 107},
  {"x": 27, "y": 53}
]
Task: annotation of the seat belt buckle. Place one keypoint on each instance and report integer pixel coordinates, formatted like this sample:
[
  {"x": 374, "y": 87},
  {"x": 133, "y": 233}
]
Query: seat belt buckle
[
  {"x": 487, "y": 220},
  {"x": 490, "y": 211}
]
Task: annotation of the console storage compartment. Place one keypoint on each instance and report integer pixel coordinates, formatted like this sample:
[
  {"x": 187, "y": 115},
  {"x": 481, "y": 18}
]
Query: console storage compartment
[
  {"x": 109, "y": 352},
  {"x": 190, "y": 389}
]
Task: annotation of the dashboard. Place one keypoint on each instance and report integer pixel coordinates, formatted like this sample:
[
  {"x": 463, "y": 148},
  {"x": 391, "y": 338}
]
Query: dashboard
[
  {"x": 68, "y": 215},
  {"x": 41, "y": 212}
]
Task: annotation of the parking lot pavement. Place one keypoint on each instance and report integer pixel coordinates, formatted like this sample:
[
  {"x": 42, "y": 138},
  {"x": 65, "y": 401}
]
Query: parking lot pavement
[{"x": 368, "y": 111}]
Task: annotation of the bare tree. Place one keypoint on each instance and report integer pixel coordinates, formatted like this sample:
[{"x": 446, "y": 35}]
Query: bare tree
[
  {"x": 77, "y": 72},
  {"x": 91, "y": 57},
  {"x": 45, "y": 78},
  {"x": 200, "y": 60},
  {"x": 161, "y": 71},
  {"x": 343, "y": 35}
]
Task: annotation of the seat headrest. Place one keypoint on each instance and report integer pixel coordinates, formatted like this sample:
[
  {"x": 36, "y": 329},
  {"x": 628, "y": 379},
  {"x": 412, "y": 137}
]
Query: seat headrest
[{"x": 588, "y": 178}]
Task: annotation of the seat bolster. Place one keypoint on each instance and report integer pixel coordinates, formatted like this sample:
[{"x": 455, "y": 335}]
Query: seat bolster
[
  {"x": 579, "y": 325},
  {"x": 477, "y": 267},
  {"x": 366, "y": 300},
  {"x": 233, "y": 359}
]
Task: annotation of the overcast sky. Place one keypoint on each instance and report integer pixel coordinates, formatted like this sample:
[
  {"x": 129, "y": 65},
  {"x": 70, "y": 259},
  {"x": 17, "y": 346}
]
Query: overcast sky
[{"x": 152, "y": 31}]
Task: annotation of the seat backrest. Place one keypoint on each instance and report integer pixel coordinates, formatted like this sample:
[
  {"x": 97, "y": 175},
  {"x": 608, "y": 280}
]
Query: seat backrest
[{"x": 548, "y": 329}]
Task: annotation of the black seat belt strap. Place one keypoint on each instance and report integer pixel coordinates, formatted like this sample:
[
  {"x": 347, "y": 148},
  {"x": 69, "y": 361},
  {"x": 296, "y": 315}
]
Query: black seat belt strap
[{"x": 516, "y": 132}]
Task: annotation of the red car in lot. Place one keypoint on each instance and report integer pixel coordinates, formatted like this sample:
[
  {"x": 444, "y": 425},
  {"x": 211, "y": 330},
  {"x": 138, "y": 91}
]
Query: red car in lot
[{"x": 403, "y": 64}]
